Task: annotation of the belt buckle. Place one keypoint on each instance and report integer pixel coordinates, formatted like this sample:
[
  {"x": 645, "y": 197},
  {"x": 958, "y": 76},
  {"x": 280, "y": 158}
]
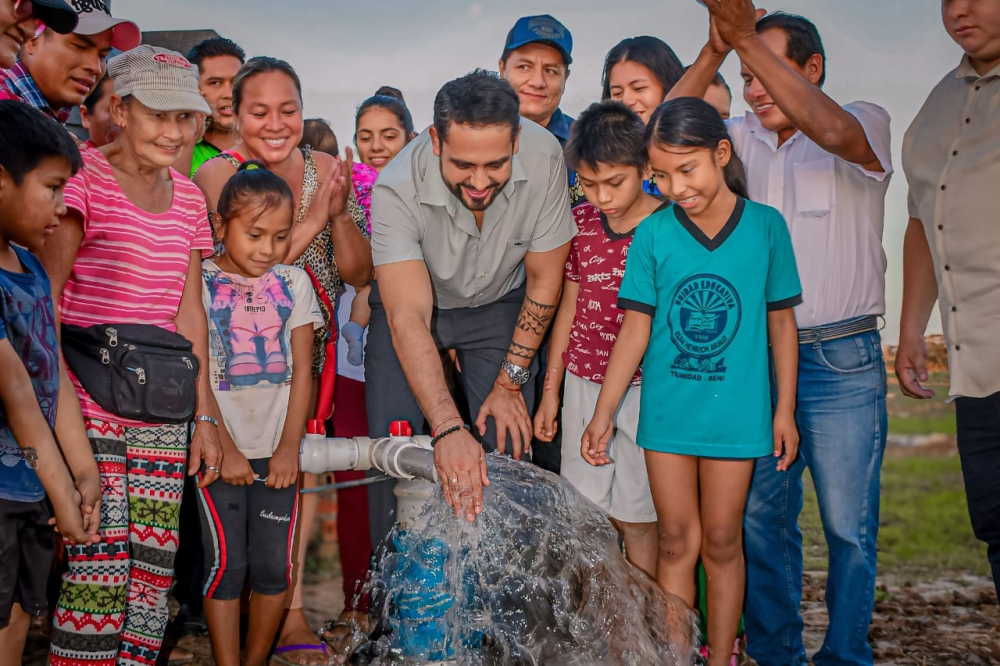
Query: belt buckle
[{"x": 812, "y": 336}]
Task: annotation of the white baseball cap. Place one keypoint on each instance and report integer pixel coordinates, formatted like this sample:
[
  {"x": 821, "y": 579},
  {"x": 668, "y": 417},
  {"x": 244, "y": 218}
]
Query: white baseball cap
[{"x": 95, "y": 18}]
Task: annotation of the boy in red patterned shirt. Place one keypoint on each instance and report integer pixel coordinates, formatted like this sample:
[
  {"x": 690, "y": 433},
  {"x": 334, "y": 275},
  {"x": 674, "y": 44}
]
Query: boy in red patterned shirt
[{"x": 606, "y": 150}]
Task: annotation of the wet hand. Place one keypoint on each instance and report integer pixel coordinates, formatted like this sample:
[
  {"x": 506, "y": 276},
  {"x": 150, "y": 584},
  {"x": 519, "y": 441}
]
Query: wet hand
[
  {"x": 205, "y": 449},
  {"x": 786, "y": 440},
  {"x": 236, "y": 469},
  {"x": 594, "y": 444},
  {"x": 911, "y": 367},
  {"x": 461, "y": 468},
  {"x": 546, "y": 425},
  {"x": 283, "y": 470},
  {"x": 510, "y": 414}
]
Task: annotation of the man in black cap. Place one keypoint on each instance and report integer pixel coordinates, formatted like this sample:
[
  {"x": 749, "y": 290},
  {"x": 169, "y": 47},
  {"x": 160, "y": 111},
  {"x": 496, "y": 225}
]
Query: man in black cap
[
  {"x": 20, "y": 20},
  {"x": 535, "y": 62},
  {"x": 55, "y": 72}
]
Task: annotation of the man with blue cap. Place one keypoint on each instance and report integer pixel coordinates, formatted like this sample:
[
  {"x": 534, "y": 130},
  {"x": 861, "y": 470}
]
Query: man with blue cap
[{"x": 535, "y": 62}]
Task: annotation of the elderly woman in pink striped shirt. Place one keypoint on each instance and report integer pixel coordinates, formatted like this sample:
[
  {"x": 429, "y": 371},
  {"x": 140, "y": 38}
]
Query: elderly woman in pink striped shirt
[{"x": 128, "y": 252}]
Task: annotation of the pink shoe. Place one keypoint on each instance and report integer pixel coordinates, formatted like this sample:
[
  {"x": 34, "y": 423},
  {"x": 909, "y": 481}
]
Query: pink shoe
[
  {"x": 243, "y": 369},
  {"x": 275, "y": 364}
]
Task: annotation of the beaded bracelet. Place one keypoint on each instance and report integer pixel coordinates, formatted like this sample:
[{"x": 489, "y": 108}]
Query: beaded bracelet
[{"x": 449, "y": 431}]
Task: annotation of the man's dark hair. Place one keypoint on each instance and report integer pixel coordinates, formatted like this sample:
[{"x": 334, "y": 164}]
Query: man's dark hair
[
  {"x": 803, "y": 38},
  {"x": 96, "y": 95},
  {"x": 28, "y": 136},
  {"x": 214, "y": 47},
  {"x": 607, "y": 133},
  {"x": 478, "y": 99},
  {"x": 652, "y": 53}
]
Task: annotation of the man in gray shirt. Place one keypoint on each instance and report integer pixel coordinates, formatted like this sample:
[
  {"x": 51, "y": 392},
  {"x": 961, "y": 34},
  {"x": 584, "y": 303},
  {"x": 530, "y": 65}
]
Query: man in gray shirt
[{"x": 471, "y": 227}]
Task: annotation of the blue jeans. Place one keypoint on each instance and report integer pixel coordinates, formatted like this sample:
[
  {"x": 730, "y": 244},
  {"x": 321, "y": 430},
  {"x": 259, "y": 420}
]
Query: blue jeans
[{"x": 841, "y": 416}]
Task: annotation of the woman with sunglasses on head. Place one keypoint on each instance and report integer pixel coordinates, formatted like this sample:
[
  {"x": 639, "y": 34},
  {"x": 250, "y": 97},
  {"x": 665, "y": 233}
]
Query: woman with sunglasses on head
[{"x": 20, "y": 20}]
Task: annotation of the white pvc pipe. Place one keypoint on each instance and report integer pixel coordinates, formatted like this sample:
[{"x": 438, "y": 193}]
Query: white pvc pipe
[{"x": 399, "y": 457}]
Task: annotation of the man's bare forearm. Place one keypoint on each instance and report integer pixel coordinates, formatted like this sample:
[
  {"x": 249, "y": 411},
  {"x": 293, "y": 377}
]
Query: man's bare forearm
[
  {"x": 421, "y": 362},
  {"x": 920, "y": 288},
  {"x": 697, "y": 80},
  {"x": 532, "y": 322},
  {"x": 541, "y": 299}
]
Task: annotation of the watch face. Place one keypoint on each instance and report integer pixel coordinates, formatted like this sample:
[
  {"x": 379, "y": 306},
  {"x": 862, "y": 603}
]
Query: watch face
[{"x": 517, "y": 374}]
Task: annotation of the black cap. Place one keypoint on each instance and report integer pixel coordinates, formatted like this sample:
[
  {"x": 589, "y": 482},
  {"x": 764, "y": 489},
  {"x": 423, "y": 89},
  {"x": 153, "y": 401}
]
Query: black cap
[{"x": 56, "y": 14}]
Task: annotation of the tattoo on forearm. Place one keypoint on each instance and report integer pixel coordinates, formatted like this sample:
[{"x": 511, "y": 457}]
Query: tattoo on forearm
[
  {"x": 31, "y": 455},
  {"x": 535, "y": 317},
  {"x": 521, "y": 351}
]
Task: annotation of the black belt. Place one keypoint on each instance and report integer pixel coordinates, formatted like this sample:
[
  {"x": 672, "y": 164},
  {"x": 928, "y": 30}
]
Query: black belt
[{"x": 841, "y": 329}]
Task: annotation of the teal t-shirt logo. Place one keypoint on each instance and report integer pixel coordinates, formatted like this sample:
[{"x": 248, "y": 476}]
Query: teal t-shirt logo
[{"x": 704, "y": 317}]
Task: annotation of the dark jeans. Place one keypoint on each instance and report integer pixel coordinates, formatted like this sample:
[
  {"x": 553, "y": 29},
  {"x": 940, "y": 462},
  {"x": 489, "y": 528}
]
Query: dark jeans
[
  {"x": 480, "y": 336},
  {"x": 979, "y": 446}
]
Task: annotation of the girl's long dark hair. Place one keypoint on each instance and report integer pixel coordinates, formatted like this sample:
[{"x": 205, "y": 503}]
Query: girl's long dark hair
[
  {"x": 652, "y": 53},
  {"x": 690, "y": 121}
]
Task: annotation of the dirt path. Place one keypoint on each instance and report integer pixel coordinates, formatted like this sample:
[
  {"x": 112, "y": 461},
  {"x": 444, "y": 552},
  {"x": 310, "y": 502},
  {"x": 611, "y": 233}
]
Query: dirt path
[{"x": 951, "y": 621}]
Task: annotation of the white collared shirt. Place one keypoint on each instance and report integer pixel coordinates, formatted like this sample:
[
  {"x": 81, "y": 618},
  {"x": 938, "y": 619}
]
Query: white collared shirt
[
  {"x": 951, "y": 156},
  {"x": 834, "y": 209}
]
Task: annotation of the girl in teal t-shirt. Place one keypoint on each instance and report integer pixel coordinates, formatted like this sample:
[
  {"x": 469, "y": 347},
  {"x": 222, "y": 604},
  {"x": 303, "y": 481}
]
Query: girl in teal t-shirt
[{"x": 708, "y": 283}]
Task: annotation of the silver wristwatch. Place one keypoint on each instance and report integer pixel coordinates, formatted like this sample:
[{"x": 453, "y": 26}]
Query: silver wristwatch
[{"x": 517, "y": 374}]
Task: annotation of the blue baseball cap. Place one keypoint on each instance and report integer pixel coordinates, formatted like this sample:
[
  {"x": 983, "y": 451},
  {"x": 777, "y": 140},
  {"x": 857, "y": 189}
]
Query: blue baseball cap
[{"x": 541, "y": 29}]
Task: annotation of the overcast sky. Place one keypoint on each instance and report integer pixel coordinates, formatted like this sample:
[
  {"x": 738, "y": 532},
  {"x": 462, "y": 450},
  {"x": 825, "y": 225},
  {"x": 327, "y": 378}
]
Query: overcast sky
[{"x": 890, "y": 52}]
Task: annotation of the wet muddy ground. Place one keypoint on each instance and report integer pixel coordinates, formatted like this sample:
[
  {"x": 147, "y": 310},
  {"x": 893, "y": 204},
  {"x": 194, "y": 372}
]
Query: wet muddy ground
[{"x": 949, "y": 621}]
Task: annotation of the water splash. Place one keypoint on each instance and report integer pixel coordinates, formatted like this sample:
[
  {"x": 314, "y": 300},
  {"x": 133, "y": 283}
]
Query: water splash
[{"x": 539, "y": 578}]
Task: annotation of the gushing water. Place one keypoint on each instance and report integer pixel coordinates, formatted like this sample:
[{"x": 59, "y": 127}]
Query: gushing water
[{"x": 538, "y": 579}]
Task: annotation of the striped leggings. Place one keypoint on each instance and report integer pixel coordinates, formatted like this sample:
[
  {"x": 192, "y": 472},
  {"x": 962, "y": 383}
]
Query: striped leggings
[{"x": 112, "y": 607}]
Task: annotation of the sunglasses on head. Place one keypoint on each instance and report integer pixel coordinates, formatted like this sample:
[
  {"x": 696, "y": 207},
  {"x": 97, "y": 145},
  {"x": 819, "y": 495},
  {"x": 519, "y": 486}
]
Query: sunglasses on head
[{"x": 24, "y": 10}]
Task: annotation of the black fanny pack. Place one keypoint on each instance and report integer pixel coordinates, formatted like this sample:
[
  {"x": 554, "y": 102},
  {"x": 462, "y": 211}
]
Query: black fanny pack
[{"x": 136, "y": 371}]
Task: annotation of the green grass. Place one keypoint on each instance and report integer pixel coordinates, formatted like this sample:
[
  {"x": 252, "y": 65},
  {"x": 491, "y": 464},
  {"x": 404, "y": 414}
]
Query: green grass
[
  {"x": 925, "y": 530},
  {"x": 921, "y": 425},
  {"x": 919, "y": 417}
]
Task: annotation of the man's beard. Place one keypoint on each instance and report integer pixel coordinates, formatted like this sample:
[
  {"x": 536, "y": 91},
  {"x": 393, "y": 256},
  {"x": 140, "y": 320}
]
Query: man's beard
[{"x": 478, "y": 205}]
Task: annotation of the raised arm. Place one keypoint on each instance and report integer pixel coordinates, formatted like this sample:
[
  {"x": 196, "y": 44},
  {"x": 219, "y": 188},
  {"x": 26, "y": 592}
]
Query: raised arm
[
  {"x": 699, "y": 76},
  {"x": 405, "y": 289},
  {"x": 804, "y": 103}
]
